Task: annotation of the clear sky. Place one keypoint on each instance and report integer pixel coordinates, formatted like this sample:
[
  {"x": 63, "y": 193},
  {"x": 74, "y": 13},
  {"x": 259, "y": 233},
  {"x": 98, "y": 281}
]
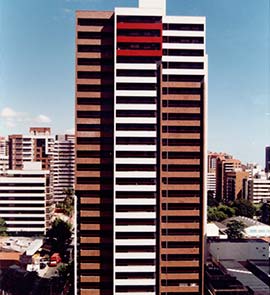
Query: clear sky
[{"x": 37, "y": 54}]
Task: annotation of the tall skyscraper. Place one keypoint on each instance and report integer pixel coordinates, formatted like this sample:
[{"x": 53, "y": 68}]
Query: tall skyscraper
[{"x": 141, "y": 157}]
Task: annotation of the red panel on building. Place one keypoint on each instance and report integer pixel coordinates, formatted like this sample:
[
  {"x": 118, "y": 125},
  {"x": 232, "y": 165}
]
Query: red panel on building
[
  {"x": 138, "y": 39},
  {"x": 139, "y": 26},
  {"x": 121, "y": 52}
]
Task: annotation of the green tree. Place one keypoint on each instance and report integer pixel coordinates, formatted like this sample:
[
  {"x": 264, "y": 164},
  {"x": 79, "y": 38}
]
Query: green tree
[
  {"x": 59, "y": 233},
  {"x": 3, "y": 227},
  {"x": 68, "y": 204},
  {"x": 244, "y": 207},
  {"x": 230, "y": 212},
  {"x": 235, "y": 229},
  {"x": 214, "y": 214}
]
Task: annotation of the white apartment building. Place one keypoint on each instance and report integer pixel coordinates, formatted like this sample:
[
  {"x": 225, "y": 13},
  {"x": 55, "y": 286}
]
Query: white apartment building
[
  {"x": 211, "y": 182},
  {"x": 3, "y": 164},
  {"x": 63, "y": 162},
  {"x": 23, "y": 198},
  {"x": 3, "y": 146},
  {"x": 259, "y": 188},
  {"x": 3, "y": 154}
]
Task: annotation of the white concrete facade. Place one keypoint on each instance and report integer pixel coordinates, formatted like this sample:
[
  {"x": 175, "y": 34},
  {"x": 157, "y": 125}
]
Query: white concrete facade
[
  {"x": 63, "y": 165},
  {"x": 23, "y": 196},
  {"x": 259, "y": 188},
  {"x": 138, "y": 213}
]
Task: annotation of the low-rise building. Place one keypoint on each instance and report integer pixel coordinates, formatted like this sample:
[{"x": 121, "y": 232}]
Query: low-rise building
[
  {"x": 215, "y": 231},
  {"x": 220, "y": 283},
  {"x": 252, "y": 227},
  {"x": 246, "y": 277},
  {"x": 239, "y": 250},
  {"x": 238, "y": 259}
]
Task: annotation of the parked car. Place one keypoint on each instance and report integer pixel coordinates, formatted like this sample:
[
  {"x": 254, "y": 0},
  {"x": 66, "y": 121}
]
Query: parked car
[{"x": 55, "y": 259}]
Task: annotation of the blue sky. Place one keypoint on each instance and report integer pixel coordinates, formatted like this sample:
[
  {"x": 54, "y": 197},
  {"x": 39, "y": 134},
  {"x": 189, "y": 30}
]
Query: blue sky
[{"x": 37, "y": 67}]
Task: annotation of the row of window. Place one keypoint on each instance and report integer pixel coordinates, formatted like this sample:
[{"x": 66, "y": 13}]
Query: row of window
[
  {"x": 29, "y": 184},
  {"x": 138, "y": 46},
  {"x": 107, "y": 194},
  {"x": 173, "y": 39},
  {"x": 22, "y": 192},
  {"x": 109, "y": 74},
  {"x": 138, "y": 19},
  {"x": 96, "y": 35},
  {"x": 133, "y": 167},
  {"x": 136, "y": 86},
  {"x": 105, "y": 103},
  {"x": 139, "y": 33},
  {"x": 138, "y": 127},
  {"x": 181, "y": 103},
  {"x": 96, "y": 48},
  {"x": 23, "y": 212},
  {"x": 95, "y": 88},
  {"x": 136, "y": 113},
  {"x": 182, "y": 78},
  {"x": 183, "y": 65},
  {"x": 179, "y": 219},
  {"x": 107, "y": 36},
  {"x": 95, "y": 61},
  {"x": 95, "y": 21},
  {"x": 22, "y": 205},
  {"x": 107, "y": 141},
  {"x": 123, "y": 154},
  {"x": 181, "y": 91}
]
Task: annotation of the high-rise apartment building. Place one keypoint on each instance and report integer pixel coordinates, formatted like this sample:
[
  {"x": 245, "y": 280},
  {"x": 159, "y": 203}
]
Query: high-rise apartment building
[
  {"x": 23, "y": 199},
  {"x": 259, "y": 188},
  {"x": 141, "y": 157},
  {"x": 63, "y": 166},
  {"x": 211, "y": 172},
  {"x": 3, "y": 154},
  {"x": 211, "y": 183},
  {"x": 3, "y": 146},
  {"x": 36, "y": 146},
  {"x": 224, "y": 164},
  {"x": 236, "y": 185}
]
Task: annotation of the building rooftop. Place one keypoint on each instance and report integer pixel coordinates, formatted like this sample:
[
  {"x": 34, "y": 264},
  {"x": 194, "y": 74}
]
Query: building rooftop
[
  {"x": 18, "y": 244},
  {"x": 246, "y": 277},
  {"x": 246, "y": 221},
  {"x": 33, "y": 247}
]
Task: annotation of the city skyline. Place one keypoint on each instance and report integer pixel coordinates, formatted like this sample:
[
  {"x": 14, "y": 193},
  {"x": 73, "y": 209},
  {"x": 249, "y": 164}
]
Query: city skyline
[{"x": 41, "y": 36}]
